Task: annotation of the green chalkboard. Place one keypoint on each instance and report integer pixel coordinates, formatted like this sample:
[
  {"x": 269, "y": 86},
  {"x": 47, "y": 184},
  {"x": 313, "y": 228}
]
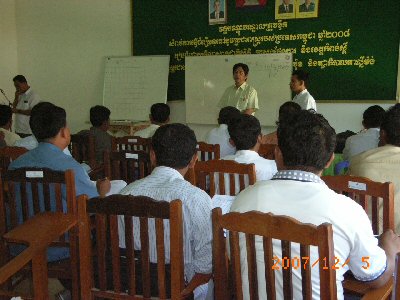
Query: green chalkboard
[{"x": 351, "y": 49}]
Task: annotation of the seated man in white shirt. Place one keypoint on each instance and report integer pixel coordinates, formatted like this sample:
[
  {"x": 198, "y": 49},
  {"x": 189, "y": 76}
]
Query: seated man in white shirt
[
  {"x": 369, "y": 137},
  {"x": 305, "y": 148},
  {"x": 173, "y": 153},
  {"x": 5, "y": 125},
  {"x": 159, "y": 115},
  {"x": 246, "y": 136},
  {"x": 298, "y": 85},
  {"x": 220, "y": 135}
]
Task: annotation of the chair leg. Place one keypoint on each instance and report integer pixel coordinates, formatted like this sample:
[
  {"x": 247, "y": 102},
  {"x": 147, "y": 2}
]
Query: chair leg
[{"x": 39, "y": 274}]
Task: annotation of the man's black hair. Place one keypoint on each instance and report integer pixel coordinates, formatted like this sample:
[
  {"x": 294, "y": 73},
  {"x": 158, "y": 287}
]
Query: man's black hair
[
  {"x": 373, "y": 116},
  {"x": 160, "y": 112},
  {"x": 5, "y": 115},
  {"x": 244, "y": 131},
  {"x": 228, "y": 114},
  {"x": 306, "y": 142},
  {"x": 244, "y": 67},
  {"x": 341, "y": 140},
  {"x": 98, "y": 115},
  {"x": 391, "y": 125},
  {"x": 174, "y": 145},
  {"x": 287, "y": 109},
  {"x": 46, "y": 120},
  {"x": 20, "y": 78},
  {"x": 302, "y": 75}
]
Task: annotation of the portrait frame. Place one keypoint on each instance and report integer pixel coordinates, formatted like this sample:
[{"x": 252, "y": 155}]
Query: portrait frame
[
  {"x": 280, "y": 12},
  {"x": 221, "y": 18},
  {"x": 303, "y": 12}
]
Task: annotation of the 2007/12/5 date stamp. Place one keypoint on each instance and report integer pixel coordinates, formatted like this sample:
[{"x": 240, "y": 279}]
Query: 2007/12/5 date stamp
[{"x": 304, "y": 262}]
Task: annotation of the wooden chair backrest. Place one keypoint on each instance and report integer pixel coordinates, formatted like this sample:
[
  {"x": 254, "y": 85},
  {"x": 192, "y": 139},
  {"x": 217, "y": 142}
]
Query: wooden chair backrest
[
  {"x": 208, "y": 151},
  {"x": 8, "y": 154},
  {"x": 396, "y": 283},
  {"x": 82, "y": 148},
  {"x": 267, "y": 151},
  {"x": 126, "y": 165},
  {"x": 268, "y": 227},
  {"x": 106, "y": 213},
  {"x": 131, "y": 143},
  {"x": 367, "y": 192},
  {"x": 215, "y": 170}
]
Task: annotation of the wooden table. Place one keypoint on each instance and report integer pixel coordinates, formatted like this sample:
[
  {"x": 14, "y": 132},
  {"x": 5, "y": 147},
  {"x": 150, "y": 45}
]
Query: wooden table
[{"x": 128, "y": 127}]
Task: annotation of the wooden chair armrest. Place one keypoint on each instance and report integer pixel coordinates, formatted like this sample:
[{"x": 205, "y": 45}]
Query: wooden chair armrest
[
  {"x": 42, "y": 229},
  {"x": 16, "y": 264},
  {"x": 381, "y": 293},
  {"x": 196, "y": 281}
]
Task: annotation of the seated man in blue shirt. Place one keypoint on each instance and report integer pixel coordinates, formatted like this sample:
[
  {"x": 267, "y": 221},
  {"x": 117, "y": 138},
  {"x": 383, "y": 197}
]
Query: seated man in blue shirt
[{"x": 49, "y": 126}]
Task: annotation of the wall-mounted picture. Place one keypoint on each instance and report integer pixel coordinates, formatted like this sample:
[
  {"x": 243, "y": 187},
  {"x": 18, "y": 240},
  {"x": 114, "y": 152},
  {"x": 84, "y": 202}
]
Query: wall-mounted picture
[
  {"x": 250, "y": 3},
  {"x": 217, "y": 12},
  {"x": 284, "y": 9},
  {"x": 307, "y": 8}
]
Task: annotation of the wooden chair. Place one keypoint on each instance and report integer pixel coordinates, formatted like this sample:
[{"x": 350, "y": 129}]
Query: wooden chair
[
  {"x": 268, "y": 227},
  {"x": 38, "y": 232},
  {"x": 267, "y": 151},
  {"x": 365, "y": 192},
  {"x": 27, "y": 192},
  {"x": 8, "y": 154},
  {"x": 220, "y": 173},
  {"x": 126, "y": 165},
  {"x": 208, "y": 151},
  {"x": 131, "y": 143},
  {"x": 108, "y": 228},
  {"x": 82, "y": 148}
]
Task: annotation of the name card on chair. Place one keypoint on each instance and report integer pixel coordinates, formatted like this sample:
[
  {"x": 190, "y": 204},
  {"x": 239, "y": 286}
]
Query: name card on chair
[
  {"x": 357, "y": 186},
  {"x": 132, "y": 155},
  {"x": 34, "y": 174},
  {"x": 132, "y": 140}
]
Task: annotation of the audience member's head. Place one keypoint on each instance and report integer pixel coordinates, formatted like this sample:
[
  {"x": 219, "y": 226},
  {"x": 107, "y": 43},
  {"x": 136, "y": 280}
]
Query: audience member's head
[
  {"x": 159, "y": 113},
  {"x": 47, "y": 121},
  {"x": 245, "y": 132},
  {"x": 341, "y": 140},
  {"x": 373, "y": 116},
  {"x": 306, "y": 142},
  {"x": 390, "y": 127},
  {"x": 5, "y": 116},
  {"x": 299, "y": 81},
  {"x": 174, "y": 146},
  {"x": 287, "y": 109},
  {"x": 20, "y": 83},
  {"x": 228, "y": 114},
  {"x": 100, "y": 117}
]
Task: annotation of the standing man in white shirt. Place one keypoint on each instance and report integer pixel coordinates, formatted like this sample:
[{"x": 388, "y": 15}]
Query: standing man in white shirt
[
  {"x": 220, "y": 135},
  {"x": 240, "y": 95},
  {"x": 173, "y": 153},
  {"x": 369, "y": 137},
  {"x": 298, "y": 85},
  {"x": 159, "y": 115},
  {"x": 25, "y": 100},
  {"x": 305, "y": 148}
]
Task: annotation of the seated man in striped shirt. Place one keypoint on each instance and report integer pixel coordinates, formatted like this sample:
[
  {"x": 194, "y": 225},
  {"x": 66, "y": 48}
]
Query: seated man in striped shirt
[{"x": 173, "y": 152}]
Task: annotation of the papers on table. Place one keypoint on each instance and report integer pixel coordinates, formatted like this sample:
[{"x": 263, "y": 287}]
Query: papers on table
[{"x": 222, "y": 201}]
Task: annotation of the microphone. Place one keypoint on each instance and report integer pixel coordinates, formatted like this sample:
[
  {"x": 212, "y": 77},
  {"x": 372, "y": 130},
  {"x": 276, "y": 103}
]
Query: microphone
[{"x": 5, "y": 96}]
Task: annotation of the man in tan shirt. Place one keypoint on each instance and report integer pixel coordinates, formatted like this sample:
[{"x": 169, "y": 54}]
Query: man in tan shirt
[{"x": 382, "y": 164}]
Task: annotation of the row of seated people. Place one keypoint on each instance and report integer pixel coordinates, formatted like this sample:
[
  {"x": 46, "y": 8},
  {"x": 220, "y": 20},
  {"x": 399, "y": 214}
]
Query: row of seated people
[{"x": 306, "y": 144}]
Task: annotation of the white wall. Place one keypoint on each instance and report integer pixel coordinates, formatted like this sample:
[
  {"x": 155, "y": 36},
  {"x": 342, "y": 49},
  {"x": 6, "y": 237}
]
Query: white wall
[
  {"x": 8, "y": 48},
  {"x": 62, "y": 45}
]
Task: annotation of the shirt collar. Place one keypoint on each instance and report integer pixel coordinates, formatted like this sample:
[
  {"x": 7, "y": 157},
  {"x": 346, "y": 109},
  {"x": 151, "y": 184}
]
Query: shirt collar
[
  {"x": 302, "y": 92},
  {"x": 28, "y": 91},
  {"x": 223, "y": 126},
  {"x": 167, "y": 172},
  {"x": 297, "y": 175},
  {"x": 49, "y": 145},
  {"x": 247, "y": 153},
  {"x": 243, "y": 86}
]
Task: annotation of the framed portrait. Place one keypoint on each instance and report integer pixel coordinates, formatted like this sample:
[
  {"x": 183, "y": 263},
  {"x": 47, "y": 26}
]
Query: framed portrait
[
  {"x": 217, "y": 12},
  {"x": 285, "y": 9},
  {"x": 250, "y": 3},
  {"x": 307, "y": 8}
]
